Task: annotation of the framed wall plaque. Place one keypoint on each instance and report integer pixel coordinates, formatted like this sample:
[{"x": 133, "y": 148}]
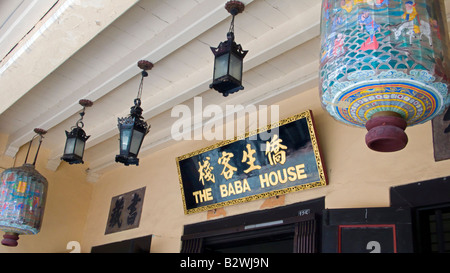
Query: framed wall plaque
[
  {"x": 281, "y": 158},
  {"x": 125, "y": 211},
  {"x": 367, "y": 230},
  {"x": 441, "y": 136},
  {"x": 367, "y": 239}
]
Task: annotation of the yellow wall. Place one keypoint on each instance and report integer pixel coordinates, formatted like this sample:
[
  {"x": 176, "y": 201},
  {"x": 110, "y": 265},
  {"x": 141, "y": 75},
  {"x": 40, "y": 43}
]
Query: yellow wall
[
  {"x": 358, "y": 177},
  {"x": 67, "y": 204},
  {"x": 78, "y": 211}
]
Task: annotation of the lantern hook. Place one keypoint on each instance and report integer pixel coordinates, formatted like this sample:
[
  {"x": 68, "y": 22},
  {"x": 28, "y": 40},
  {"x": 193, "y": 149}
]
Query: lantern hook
[
  {"x": 234, "y": 8},
  {"x": 144, "y": 65},
  {"x": 85, "y": 103}
]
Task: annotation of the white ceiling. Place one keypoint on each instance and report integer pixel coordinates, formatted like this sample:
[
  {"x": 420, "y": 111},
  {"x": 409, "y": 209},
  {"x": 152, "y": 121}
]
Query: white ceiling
[{"x": 88, "y": 49}]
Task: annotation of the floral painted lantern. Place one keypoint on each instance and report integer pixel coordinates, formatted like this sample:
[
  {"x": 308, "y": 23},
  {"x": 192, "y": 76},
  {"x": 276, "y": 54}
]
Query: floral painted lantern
[
  {"x": 23, "y": 192},
  {"x": 384, "y": 66}
]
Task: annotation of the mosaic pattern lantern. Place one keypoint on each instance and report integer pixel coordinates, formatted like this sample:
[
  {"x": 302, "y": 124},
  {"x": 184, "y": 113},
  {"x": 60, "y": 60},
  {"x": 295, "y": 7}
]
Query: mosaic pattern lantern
[
  {"x": 384, "y": 66},
  {"x": 23, "y": 192}
]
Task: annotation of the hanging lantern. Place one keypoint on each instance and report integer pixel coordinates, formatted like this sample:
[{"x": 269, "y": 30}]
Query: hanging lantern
[
  {"x": 23, "y": 192},
  {"x": 229, "y": 58},
  {"x": 384, "y": 66},
  {"x": 133, "y": 128},
  {"x": 76, "y": 139}
]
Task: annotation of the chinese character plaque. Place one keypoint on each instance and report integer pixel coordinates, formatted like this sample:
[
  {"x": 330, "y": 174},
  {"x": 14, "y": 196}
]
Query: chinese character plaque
[
  {"x": 125, "y": 211},
  {"x": 278, "y": 159}
]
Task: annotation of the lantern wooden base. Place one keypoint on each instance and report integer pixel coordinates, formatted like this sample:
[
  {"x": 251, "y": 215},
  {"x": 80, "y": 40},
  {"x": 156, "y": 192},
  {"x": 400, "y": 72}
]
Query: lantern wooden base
[
  {"x": 127, "y": 160},
  {"x": 10, "y": 239},
  {"x": 235, "y": 7},
  {"x": 226, "y": 86},
  {"x": 386, "y": 132},
  {"x": 145, "y": 65}
]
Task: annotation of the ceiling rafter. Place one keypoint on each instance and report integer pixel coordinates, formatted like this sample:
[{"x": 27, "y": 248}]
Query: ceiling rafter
[
  {"x": 199, "y": 20},
  {"x": 303, "y": 78},
  {"x": 18, "y": 64},
  {"x": 281, "y": 39}
]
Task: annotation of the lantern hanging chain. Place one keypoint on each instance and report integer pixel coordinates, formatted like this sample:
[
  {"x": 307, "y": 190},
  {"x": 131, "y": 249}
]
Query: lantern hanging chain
[
  {"x": 39, "y": 147},
  {"x": 231, "y": 30},
  {"x": 80, "y": 123},
  {"x": 141, "y": 87}
]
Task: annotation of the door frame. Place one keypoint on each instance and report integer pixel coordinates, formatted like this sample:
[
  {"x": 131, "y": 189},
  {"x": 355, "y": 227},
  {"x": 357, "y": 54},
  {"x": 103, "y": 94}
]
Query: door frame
[
  {"x": 302, "y": 219},
  {"x": 418, "y": 197}
]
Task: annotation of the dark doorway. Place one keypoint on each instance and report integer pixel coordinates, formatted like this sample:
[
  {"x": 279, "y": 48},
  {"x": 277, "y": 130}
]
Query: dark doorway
[
  {"x": 433, "y": 229},
  {"x": 267, "y": 240},
  {"x": 136, "y": 245},
  {"x": 430, "y": 205},
  {"x": 290, "y": 229}
]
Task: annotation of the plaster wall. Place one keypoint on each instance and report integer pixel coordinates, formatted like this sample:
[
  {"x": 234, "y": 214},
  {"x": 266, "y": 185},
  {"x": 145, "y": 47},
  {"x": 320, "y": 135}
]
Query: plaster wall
[{"x": 358, "y": 177}]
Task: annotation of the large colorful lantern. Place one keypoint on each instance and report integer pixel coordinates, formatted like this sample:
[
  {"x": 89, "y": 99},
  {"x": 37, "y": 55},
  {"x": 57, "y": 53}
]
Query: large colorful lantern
[
  {"x": 23, "y": 192},
  {"x": 384, "y": 66}
]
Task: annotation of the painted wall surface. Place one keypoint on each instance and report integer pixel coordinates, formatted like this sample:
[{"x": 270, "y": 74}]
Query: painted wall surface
[
  {"x": 66, "y": 207},
  {"x": 358, "y": 177}
]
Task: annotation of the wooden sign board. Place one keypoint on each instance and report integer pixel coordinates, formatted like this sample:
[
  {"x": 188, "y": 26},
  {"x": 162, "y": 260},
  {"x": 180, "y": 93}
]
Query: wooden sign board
[
  {"x": 125, "y": 211},
  {"x": 271, "y": 161}
]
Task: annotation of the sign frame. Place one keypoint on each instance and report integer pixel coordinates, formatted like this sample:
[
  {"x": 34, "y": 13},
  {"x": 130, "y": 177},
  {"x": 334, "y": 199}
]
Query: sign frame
[
  {"x": 366, "y": 227},
  {"x": 321, "y": 182},
  {"x": 379, "y": 230},
  {"x": 121, "y": 204}
]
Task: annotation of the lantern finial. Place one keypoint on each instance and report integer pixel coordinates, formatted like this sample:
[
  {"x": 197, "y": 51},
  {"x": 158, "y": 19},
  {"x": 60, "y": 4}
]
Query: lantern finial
[{"x": 235, "y": 7}]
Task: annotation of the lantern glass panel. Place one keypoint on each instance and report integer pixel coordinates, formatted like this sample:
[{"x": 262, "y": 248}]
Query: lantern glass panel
[
  {"x": 235, "y": 67},
  {"x": 70, "y": 143},
  {"x": 136, "y": 142},
  {"x": 125, "y": 136},
  {"x": 79, "y": 148},
  {"x": 221, "y": 66}
]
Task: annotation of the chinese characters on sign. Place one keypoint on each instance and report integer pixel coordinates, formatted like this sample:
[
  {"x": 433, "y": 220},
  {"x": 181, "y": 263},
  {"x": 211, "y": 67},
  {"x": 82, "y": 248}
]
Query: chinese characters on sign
[
  {"x": 125, "y": 211},
  {"x": 250, "y": 168}
]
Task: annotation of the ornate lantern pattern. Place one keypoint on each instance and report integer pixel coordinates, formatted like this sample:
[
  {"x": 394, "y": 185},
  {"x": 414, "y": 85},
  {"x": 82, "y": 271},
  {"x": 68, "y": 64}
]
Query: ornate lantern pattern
[
  {"x": 385, "y": 61},
  {"x": 23, "y": 192}
]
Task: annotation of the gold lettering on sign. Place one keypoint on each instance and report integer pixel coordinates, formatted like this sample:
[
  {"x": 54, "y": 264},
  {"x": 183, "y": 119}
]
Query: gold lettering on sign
[
  {"x": 282, "y": 176},
  {"x": 275, "y": 151},
  {"x": 203, "y": 195},
  {"x": 205, "y": 171},
  {"x": 228, "y": 170},
  {"x": 249, "y": 158},
  {"x": 234, "y": 188}
]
